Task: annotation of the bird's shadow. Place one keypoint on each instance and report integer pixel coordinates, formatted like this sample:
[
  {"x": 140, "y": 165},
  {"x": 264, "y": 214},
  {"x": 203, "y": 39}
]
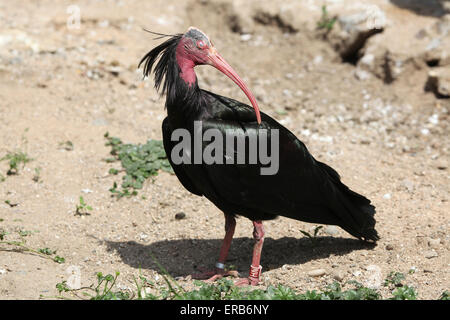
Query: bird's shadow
[{"x": 182, "y": 257}]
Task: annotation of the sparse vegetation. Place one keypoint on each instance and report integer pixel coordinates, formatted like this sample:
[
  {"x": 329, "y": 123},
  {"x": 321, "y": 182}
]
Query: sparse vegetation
[
  {"x": 445, "y": 295},
  {"x": 223, "y": 289},
  {"x": 37, "y": 174},
  {"x": 12, "y": 205},
  {"x": 15, "y": 160},
  {"x": 139, "y": 162},
  {"x": 82, "y": 209},
  {"x": 394, "y": 281},
  {"x": 312, "y": 237},
  {"x": 325, "y": 21},
  {"x": 20, "y": 245},
  {"x": 66, "y": 145}
]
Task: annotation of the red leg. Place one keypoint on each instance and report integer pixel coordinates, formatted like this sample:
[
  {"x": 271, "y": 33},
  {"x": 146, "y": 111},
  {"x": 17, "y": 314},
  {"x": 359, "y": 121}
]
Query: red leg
[
  {"x": 255, "y": 268},
  {"x": 219, "y": 272}
]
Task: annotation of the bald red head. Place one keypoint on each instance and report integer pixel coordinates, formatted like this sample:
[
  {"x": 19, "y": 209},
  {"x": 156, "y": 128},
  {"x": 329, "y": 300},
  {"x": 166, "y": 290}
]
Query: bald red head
[{"x": 195, "y": 48}]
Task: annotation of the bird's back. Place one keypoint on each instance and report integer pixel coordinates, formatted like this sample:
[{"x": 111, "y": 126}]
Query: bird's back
[{"x": 302, "y": 188}]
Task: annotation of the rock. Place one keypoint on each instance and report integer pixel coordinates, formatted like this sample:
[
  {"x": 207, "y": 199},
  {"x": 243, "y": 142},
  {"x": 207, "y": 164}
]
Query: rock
[
  {"x": 421, "y": 240},
  {"x": 354, "y": 27},
  {"x": 387, "y": 196},
  {"x": 331, "y": 230},
  {"x": 338, "y": 275},
  {"x": 389, "y": 58},
  {"x": 246, "y": 37},
  {"x": 408, "y": 185},
  {"x": 180, "y": 216},
  {"x": 434, "y": 243},
  {"x": 441, "y": 165},
  {"x": 361, "y": 74},
  {"x": 114, "y": 70},
  {"x": 430, "y": 254},
  {"x": 317, "y": 273},
  {"x": 439, "y": 81},
  {"x": 437, "y": 51},
  {"x": 100, "y": 122},
  {"x": 357, "y": 273},
  {"x": 389, "y": 247},
  {"x": 143, "y": 236}
]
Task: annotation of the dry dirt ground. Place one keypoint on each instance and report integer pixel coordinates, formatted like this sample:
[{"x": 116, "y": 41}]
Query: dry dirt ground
[{"x": 388, "y": 140}]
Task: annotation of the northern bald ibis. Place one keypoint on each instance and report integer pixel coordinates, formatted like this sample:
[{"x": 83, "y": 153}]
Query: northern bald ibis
[{"x": 301, "y": 188}]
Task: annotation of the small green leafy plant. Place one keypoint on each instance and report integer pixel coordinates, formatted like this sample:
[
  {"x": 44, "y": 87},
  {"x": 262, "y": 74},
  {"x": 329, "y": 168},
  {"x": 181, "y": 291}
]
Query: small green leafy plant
[
  {"x": 325, "y": 21},
  {"x": 66, "y": 145},
  {"x": 83, "y": 208},
  {"x": 445, "y": 295},
  {"x": 15, "y": 160},
  {"x": 139, "y": 162},
  {"x": 394, "y": 280},
  {"x": 312, "y": 237},
  {"x": 37, "y": 174},
  {"x": 21, "y": 246}
]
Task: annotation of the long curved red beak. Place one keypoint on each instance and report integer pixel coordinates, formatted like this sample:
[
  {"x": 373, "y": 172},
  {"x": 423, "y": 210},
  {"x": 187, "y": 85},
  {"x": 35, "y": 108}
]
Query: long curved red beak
[{"x": 219, "y": 63}]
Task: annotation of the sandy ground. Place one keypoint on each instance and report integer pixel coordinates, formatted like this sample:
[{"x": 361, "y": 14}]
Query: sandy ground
[{"x": 388, "y": 141}]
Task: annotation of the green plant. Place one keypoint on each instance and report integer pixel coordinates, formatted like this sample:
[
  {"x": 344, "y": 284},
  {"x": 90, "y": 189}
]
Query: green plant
[
  {"x": 15, "y": 159},
  {"x": 47, "y": 251},
  {"x": 394, "y": 279},
  {"x": 445, "y": 295},
  {"x": 82, "y": 208},
  {"x": 404, "y": 293},
  {"x": 37, "y": 174},
  {"x": 66, "y": 145},
  {"x": 325, "y": 21},
  {"x": 139, "y": 162},
  {"x": 22, "y": 246},
  {"x": 9, "y": 203},
  {"x": 312, "y": 237}
]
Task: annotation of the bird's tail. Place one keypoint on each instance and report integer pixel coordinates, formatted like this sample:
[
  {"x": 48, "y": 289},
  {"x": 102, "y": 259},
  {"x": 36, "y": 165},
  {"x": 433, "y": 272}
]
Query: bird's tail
[{"x": 355, "y": 211}]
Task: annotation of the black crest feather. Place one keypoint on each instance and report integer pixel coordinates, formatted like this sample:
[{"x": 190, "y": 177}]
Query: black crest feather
[{"x": 166, "y": 69}]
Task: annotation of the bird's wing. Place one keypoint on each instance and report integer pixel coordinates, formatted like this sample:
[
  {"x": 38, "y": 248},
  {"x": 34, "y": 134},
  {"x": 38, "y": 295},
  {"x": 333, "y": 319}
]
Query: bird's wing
[
  {"x": 178, "y": 169},
  {"x": 302, "y": 188}
]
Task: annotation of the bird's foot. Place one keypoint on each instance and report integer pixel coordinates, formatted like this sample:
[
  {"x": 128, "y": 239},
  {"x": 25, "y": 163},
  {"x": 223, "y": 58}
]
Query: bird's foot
[
  {"x": 216, "y": 274},
  {"x": 242, "y": 282},
  {"x": 253, "y": 277}
]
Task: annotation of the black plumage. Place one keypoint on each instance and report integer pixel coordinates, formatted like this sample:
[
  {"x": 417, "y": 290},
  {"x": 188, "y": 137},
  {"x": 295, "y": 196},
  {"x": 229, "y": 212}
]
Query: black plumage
[{"x": 303, "y": 188}]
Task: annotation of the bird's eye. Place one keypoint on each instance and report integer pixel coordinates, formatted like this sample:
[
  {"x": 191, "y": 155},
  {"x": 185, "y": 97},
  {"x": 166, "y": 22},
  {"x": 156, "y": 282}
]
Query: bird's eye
[{"x": 201, "y": 44}]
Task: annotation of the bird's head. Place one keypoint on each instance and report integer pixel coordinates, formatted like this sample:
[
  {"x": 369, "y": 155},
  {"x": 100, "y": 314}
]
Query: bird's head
[
  {"x": 191, "y": 49},
  {"x": 195, "y": 48}
]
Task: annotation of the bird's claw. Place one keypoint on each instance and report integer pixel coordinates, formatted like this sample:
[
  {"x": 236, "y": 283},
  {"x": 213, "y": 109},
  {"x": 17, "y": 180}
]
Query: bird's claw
[
  {"x": 216, "y": 274},
  {"x": 246, "y": 282}
]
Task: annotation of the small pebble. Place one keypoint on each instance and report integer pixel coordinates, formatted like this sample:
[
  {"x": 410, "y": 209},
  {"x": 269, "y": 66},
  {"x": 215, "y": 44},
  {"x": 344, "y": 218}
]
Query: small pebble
[
  {"x": 246, "y": 37},
  {"x": 389, "y": 247},
  {"x": 434, "y": 243},
  {"x": 331, "y": 230},
  {"x": 430, "y": 254},
  {"x": 357, "y": 273},
  {"x": 180, "y": 215},
  {"x": 338, "y": 275},
  {"x": 317, "y": 273}
]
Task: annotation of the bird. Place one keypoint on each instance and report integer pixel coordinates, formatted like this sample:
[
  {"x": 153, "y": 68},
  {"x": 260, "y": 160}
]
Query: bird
[{"x": 300, "y": 187}]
